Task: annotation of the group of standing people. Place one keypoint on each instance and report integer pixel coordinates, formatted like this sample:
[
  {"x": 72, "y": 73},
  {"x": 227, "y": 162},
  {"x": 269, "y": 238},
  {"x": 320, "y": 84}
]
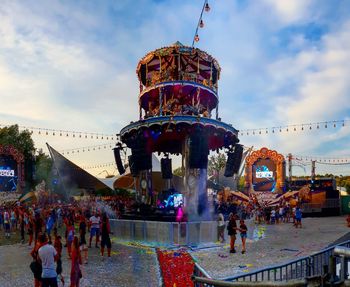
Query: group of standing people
[
  {"x": 45, "y": 226},
  {"x": 232, "y": 230},
  {"x": 47, "y": 251},
  {"x": 279, "y": 214}
]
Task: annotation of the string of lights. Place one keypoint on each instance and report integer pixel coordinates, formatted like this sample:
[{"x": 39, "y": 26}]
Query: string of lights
[
  {"x": 325, "y": 160},
  {"x": 66, "y": 133},
  {"x": 86, "y": 149},
  {"x": 200, "y": 24},
  {"x": 100, "y": 165},
  {"x": 294, "y": 127}
]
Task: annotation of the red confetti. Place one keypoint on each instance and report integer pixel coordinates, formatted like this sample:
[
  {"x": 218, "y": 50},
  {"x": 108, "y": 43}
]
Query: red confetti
[{"x": 176, "y": 267}]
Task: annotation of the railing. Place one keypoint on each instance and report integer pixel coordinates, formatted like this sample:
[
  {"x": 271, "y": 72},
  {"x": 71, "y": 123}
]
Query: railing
[
  {"x": 292, "y": 273},
  {"x": 207, "y": 282},
  {"x": 308, "y": 266},
  {"x": 199, "y": 272},
  {"x": 173, "y": 233}
]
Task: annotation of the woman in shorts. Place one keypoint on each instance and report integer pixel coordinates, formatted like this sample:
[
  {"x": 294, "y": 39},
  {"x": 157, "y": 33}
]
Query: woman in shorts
[{"x": 243, "y": 231}]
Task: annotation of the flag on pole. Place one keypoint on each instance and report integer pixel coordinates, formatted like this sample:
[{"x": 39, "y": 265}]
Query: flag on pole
[{"x": 28, "y": 197}]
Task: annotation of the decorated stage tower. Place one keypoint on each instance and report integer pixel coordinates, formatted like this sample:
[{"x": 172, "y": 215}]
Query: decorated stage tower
[{"x": 178, "y": 115}]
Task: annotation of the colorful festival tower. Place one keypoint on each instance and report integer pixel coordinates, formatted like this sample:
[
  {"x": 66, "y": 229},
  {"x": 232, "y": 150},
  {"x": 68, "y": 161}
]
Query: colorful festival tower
[{"x": 178, "y": 115}]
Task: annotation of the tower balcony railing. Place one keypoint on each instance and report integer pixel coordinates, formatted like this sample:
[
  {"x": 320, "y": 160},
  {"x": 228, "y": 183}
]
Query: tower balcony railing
[{"x": 158, "y": 78}]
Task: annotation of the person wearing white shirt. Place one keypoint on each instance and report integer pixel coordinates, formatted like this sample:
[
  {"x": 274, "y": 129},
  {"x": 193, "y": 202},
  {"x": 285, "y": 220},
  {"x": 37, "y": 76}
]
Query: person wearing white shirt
[
  {"x": 94, "y": 222},
  {"x": 47, "y": 255}
]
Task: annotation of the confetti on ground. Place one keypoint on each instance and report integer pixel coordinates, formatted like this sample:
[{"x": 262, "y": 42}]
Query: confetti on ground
[{"x": 176, "y": 267}]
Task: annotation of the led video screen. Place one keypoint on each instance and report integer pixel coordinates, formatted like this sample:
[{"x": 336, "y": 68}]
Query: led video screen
[
  {"x": 264, "y": 175},
  {"x": 8, "y": 173}
]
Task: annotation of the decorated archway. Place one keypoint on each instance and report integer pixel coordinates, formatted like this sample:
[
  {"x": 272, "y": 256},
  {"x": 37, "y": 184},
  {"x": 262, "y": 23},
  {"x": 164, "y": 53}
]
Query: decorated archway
[
  {"x": 265, "y": 171},
  {"x": 18, "y": 157}
]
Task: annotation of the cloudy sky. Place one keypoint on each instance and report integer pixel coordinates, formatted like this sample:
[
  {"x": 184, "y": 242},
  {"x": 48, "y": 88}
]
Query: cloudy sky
[{"x": 70, "y": 65}]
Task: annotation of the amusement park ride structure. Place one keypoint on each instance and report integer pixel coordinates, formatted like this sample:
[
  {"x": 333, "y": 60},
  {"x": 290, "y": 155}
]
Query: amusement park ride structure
[{"x": 178, "y": 94}]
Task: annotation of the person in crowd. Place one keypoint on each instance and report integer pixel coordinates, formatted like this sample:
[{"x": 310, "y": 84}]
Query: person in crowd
[
  {"x": 94, "y": 222},
  {"x": 7, "y": 225},
  {"x": 35, "y": 266},
  {"x": 287, "y": 212},
  {"x": 38, "y": 225},
  {"x": 70, "y": 236},
  {"x": 232, "y": 231},
  {"x": 273, "y": 216},
  {"x": 30, "y": 229},
  {"x": 22, "y": 226},
  {"x": 221, "y": 228},
  {"x": 50, "y": 224},
  {"x": 47, "y": 255},
  {"x": 243, "y": 232},
  {"x": 298, "y": 216},
  {"x": 82, "y": 238},
  {"x": 281, "y": 214},
  {"x": 105, "y": 239},
  {"x": 59, "y": 247},
  {"x": 13, "y": 221},
  {"x": 75, "y": 274}
]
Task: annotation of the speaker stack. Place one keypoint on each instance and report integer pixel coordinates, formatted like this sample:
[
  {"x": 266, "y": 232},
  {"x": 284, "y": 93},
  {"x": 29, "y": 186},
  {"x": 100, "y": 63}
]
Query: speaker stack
[
  {"x": 165, "y": 164},
  {"x": 198, "y": 150},
  {"x": 141, "y": 158},
  {"x": 118, "y": 160},
  {"x": 233, "y": 161}
]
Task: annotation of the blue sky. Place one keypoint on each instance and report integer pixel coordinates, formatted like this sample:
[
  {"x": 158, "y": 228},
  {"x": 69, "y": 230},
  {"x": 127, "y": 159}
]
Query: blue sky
[{"x": 71, "y": 65}]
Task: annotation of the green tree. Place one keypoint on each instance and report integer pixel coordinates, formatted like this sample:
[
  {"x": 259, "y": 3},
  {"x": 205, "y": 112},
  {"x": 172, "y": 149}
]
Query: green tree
[
  {"x": 22, "y": 141},
  {"x": 43, "y": 168},
  {"x": 216, "y": 163},
  {"x": 178, "y": 172}
]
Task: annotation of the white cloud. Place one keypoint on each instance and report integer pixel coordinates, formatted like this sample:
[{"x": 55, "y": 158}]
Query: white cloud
[
  {"x": 324, "y": 80},
  {"x": 289, "y": 11}
]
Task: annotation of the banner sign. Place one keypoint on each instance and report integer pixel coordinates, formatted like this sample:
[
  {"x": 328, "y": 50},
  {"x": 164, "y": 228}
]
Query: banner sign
[{"x": 7, "y": 172}]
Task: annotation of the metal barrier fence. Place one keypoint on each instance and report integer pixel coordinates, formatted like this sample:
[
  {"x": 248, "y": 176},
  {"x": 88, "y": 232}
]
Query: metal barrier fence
[
  {"x": 173, "y": 233},
  {"x": 308, "y": 266},
  {"x": 315, "y": 265}
]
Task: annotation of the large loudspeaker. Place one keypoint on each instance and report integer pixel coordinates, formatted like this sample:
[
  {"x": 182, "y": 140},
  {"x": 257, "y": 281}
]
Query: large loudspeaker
[
  {"x": 198, "y": 151},
  {"x": 233, "y": 161},
  {"x": 134, "y": 172},
  {"x": 229, "y": 165},
  {"x": 118, "y": 160},
  {"x": 165, "y": 164},
  {"x": 237, "y": 157},
  {"x": 141, "y": 158}
]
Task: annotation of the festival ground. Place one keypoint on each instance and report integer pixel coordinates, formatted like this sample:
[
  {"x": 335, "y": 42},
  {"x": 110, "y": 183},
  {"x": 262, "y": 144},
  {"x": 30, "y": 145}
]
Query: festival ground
[{"x": 133, "y": 264}]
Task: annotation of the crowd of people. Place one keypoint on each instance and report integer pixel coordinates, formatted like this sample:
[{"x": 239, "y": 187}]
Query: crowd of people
[
  {"x": 51, "y": 228},
  {"x": 260, "y": 212}
]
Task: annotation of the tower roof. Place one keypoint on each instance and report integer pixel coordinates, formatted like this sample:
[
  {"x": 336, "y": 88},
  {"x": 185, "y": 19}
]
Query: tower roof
[{"x": 181, "y": 49}]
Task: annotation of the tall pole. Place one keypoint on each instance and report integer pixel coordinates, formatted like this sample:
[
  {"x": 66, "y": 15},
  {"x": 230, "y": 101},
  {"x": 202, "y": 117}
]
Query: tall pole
[
  {"x": 290, "y": 157},
  {"x": 313, "y": 169}
]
